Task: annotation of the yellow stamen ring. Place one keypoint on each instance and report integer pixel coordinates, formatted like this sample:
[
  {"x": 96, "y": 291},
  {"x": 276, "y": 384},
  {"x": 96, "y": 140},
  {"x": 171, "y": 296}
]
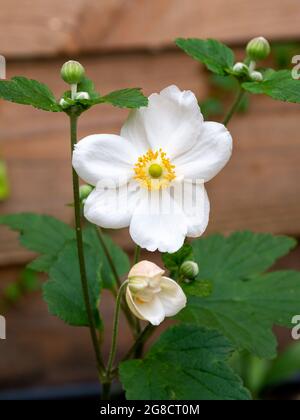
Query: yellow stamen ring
[{"x": 154, "y": 170}]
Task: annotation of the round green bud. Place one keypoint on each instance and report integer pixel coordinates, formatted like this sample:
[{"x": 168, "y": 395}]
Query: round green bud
[
  {"x": 155, "y": 170},
  {"x": 240, "y": 69},
  {"x": 258, "y": 48},
  {"x": 256, "y": 76},
  {"x": 85, "y": 191},
  {"x": 189, "y": 270},
  {"x": 72, "y": 72},
  {"x": 82, "y": 95}
]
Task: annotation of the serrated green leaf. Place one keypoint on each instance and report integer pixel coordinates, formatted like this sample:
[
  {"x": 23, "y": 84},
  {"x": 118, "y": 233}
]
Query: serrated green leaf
[
  {"x": 217, "y": 57},
  {"x": 173, "y": 261},
  {"x": 63, "y": 291},
  {"x": 125, "y": 98},
  {"x": 244, "y": 304},
  {"x": 120, "y": 259},
  {"x": 40, "y": 233},
  {"x": 28, "y": 92},
  {"x": 186, "y": 363},
  {"x": 278, "y": 84}
]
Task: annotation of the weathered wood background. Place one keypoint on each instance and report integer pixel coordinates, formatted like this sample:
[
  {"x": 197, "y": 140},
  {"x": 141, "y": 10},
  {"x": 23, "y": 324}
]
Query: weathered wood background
[{"x": 125, "y": 43}]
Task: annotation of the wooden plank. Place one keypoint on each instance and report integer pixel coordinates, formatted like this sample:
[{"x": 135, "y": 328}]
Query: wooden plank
[
  {"x": 43, "y": 28},
  {"x": 258, "y": 190}
]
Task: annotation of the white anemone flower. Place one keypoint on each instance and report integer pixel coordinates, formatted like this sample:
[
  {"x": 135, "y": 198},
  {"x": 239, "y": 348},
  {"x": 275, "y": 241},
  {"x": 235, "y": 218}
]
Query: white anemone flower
[
  {"x": 151, "y": 296},
  {"x": 151, "y": 177}
]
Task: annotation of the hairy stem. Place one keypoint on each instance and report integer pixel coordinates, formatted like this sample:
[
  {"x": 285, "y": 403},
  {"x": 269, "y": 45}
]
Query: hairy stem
[
  {"x": 113, "y": 348},
  {"x": 234, "y": 107},
  {"x": 127, "y": 313},
  {"x": 80, "y": 250}
]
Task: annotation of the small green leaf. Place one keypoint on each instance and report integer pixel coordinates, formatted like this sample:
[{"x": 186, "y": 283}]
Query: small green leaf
[
  {"x": 217, "y": 57},
  {"x": 4, "y": 186},
  {"x": 63, "y": 291},
  {"x": 42, "y": 234},
  {"x": 120, "y": 259},
  {"x": 244, "y": 304},
  {"x": 28, "y": 92},
  {"x": 278, "y": 84},
  {"x": 125, "y": 98},
  {"x": 87, "y": 85},
  {"x": 173, "y": 261},
  {"x": 186, "y": 363}
]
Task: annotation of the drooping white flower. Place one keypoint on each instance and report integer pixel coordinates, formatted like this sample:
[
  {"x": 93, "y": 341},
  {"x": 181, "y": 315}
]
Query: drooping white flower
[
  {"x": 151, "y": 177},
  {"x": 151, "y": 296}
]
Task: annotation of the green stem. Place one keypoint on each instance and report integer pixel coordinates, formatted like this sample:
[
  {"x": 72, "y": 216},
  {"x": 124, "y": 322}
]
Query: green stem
[
  {"x": 113, "y": 349},
  {"x": 137, "y": 254},
  {"x": 108, "y": 256},
  {"x": 234, "y": 107},
  {"x": 125, "y": 309},
  {"x": 80, "y": 249}
]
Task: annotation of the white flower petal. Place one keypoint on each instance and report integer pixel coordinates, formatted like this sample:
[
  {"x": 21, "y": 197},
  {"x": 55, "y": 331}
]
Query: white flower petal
[
  {"x": 152, "y": 311},
  {"x": 112, "y": 208},
  {"x": 208, "y": 156},
  {"x": 193, "y": 199},
  {"x": 104, "y": 157},
  {"x": 158, "y": 222},
  {"x": 145, "y": 269},
  {"x": 134, "y": 131},
  {"x": 172, "y": 121},
  {"x": 171, "y": 296}
]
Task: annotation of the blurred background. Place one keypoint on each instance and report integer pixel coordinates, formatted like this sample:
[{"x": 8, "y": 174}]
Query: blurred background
[{"x": 129, "y": 43}]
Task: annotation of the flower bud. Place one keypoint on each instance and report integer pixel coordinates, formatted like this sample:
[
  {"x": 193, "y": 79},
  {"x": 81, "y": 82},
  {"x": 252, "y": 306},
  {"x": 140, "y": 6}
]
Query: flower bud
[
  {"x": 189, "y": 270},
  {"x": 150, "y": 295},
  {"x": 256, "y": 76},
  {"x": 65, "y": 103},
  {"x": 240, "y": 69},
  {"x": 72, "y": 72},
  {"x": 258, "y": 48},
  {"x": 82, "y": 95},
  {"x": 85, "y": 191}
]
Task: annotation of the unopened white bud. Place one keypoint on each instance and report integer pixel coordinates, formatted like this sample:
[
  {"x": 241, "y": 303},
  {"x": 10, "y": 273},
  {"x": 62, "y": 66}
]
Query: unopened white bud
[
  {"x": 64, "y": 103},
  {"x": 240, "y": 68},
  {"x": 189, "y": 270},
  {"x": 256, "y": 76},
  {"x": 82, "y": 95}
]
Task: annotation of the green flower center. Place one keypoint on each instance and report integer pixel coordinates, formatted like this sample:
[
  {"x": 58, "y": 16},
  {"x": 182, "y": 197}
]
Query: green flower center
[{"x": 155, "y": 170}]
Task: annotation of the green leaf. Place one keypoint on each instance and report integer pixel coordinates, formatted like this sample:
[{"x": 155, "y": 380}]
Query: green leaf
[
  {"x": 285, "y": 367},
  {"x": 278, "y": 84},
  {"x": 173, "y": 261},
  {"x": 42, "y": 234},
  {"x": 63, "y": 290},
  {"x": 186, "y": 363},
  {"x": 28, "y": 92},
  {"x": 87, "y": 85},
  {"x": 125, "y": 98},
  {"x": 216, "y": 56},
  {"x": 244, "y": 304},
  {"x": 120, "y": 259},
  {"x": 4, "y": 186}
]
